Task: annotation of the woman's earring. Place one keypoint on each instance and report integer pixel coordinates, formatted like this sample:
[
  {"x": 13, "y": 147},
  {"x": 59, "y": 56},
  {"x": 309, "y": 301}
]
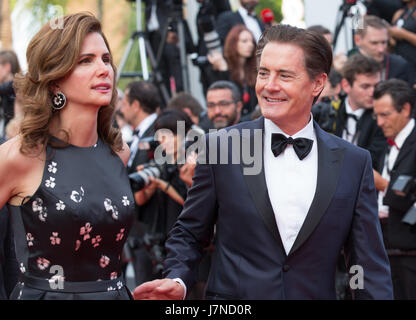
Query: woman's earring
[{"x": 58, "y": 101}]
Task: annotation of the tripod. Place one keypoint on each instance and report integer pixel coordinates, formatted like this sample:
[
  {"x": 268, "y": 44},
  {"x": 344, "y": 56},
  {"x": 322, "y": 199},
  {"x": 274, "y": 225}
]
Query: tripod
[
  {"x": 145, "y": 50},
  {"x": 357, "y": 19}
]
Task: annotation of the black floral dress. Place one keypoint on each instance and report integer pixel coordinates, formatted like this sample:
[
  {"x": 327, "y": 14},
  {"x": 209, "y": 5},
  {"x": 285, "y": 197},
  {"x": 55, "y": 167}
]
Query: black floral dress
[{"x": 70, "y": 234}]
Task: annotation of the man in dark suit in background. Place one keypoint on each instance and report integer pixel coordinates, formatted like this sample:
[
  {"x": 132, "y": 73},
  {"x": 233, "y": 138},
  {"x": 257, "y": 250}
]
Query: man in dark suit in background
[
  {"x": 393, "y": 106},
  {"x": 244, "y": 15},
  {"x": 354, "y": 121},
  {"x": 139, "y": 107},
  {"x": 279, "y": 226}
]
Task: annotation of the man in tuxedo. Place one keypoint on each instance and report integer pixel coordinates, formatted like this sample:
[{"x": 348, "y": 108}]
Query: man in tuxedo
[
  {"x": 224, "y": 104},
  {"x": 372, "y": 41},
  {"x": 139, "y": 107},
  {"x": 354, "y": 121},
  {"x": 393, "y": 106},
  {"x": 244, "y": 15},
  {"x": 279, "y": 231}
]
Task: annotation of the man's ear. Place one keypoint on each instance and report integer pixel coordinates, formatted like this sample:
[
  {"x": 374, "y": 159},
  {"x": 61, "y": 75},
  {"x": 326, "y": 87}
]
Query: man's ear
[
  {"x": 8, "y": 67},
  {"x": 239, "y": 105},
  {"x": 320, "y": 82},
  {"x": 345, "y": 85},
  {"x": 407, "y": 109},
  {"x": 357, "y": 40}
]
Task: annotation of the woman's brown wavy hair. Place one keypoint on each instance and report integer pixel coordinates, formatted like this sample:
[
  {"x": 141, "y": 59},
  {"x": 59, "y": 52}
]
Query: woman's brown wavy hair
[
  {"x": 51, "y": 55},
  {"x": 232, "y": 57}
]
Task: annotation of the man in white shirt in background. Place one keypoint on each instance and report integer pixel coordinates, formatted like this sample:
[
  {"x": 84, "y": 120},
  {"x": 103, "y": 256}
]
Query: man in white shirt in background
[
  {"x": 393, "y": 107},
  {"x": 244, "y": 15}
]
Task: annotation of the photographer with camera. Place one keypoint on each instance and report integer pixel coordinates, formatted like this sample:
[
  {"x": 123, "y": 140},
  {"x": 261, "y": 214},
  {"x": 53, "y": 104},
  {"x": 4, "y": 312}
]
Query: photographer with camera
[
  {"x": 9, "y": 66},
  {"x": 393, "y": 108},
  {"x": 166, "y": 183},
  {"x": 208, "y": 38}
]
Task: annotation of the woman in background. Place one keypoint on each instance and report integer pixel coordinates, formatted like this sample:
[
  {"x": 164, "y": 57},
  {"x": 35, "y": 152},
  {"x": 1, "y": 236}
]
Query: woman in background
[{"x": 238, "y": 65}]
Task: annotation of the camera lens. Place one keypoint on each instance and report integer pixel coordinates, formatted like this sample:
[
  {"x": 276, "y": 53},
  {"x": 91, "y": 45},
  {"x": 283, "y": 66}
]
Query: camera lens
[{"x": 140, "y": 179}]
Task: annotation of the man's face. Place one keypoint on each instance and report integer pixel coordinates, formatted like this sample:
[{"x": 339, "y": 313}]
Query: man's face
[
  {"x": 388, "y": 118},
  {"x": 374, "y": 43},
  {"x": 128, "y": 110},
  {"x": 249, "y": 5},
  {"x": 360, "y": 94},
  {"x": 222, "y": 110},
  {"x": 285, "y": 91}
]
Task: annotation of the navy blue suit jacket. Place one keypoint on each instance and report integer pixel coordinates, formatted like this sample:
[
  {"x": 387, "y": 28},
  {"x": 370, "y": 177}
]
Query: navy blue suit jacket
[{"x": 249, "y": 260}]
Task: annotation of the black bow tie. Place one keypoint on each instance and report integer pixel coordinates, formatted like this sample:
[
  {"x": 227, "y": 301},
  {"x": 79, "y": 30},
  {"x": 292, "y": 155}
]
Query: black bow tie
[
  {"x": 302, "y": 146},
  {"x": 352, "y": 116},
  {"x": 136, "y": 132}
]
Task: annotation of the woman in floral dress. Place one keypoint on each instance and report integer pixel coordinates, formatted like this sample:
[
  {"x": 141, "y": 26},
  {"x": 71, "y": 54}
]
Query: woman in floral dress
[{"x": 64, "y": 177}]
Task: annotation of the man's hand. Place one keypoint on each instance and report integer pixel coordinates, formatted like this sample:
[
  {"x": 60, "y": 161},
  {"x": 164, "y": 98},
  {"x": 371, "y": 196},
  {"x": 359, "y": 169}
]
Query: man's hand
[
  {"x": 163, "y": 289},
  {"x": 380, "y": 183}
]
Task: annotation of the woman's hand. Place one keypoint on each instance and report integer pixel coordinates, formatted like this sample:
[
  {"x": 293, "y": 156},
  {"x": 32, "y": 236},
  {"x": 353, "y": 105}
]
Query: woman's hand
[
  {"x": 217, "y": 60},
  {"x": 186, "y": 172}
]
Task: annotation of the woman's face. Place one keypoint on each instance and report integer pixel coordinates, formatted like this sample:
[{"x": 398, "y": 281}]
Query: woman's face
[
  {"x": 245, "y": 44},
  {"x": 90, "y": 83}
]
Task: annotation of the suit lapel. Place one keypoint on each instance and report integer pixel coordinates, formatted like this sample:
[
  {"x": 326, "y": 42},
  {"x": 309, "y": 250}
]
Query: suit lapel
[
  {"x": 330, "y": 160},
  {"x": 406, "y": 147},
  {"x": 257, "y": 187}
]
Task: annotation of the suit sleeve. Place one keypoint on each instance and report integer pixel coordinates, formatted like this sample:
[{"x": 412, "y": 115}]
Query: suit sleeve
[
  {"x": 365, "y": 249},
  {"x": 194, "y": 228}
]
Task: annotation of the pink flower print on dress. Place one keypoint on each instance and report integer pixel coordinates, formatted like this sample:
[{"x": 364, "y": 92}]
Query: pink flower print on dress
[
  {"x": 104, "y": 261},
  {"x": 96, "y": 241},
  {"x": 120, "y": 235},
  {"x": 29, "y": 239},
  {"x": 113, "y": 275},
  {"x": 43, "y": 263},
  {"x": 85, "y": 231},
  {"x": 55, "y": 239},
  {"x": 77, "y": 245}
]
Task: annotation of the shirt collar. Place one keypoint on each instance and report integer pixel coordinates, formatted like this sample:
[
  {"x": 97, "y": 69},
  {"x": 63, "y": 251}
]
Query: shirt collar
[
  {"x": 404, "y": 133},
  {"x": 146, "y": 123},
  {"x": 244, "y": 13},
  {"x": 359, "y": 112},
  {"x": 306, "y": 132}
]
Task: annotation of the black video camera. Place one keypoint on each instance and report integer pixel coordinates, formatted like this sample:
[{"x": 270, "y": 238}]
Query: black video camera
[
  {"x": 206, "y": 27},
  {"x": 405, "y": 186}
]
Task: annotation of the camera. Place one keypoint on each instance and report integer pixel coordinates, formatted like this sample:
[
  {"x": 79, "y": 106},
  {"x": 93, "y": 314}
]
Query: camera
[
  {"x": 154, "y": 245},
  {"x": 140, "y": 179},
  {"x": 406, "y": 186},
  {"x": 325, "y": 114},
  {"x": 206, "y": 25}
]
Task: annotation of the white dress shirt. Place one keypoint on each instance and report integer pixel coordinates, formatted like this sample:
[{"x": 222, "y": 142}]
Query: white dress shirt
[
  {"x": 291, "y": 183},
  {"x": 351, "y": 125},
  {"x": 141, "y": 128},
  {"x": 390, "y": 159},
  {"x": 251, "y": 23}
]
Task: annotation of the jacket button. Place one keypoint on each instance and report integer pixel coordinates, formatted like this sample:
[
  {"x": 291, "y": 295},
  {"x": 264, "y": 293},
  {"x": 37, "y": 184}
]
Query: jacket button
[{"x": 286, "y": 268}]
